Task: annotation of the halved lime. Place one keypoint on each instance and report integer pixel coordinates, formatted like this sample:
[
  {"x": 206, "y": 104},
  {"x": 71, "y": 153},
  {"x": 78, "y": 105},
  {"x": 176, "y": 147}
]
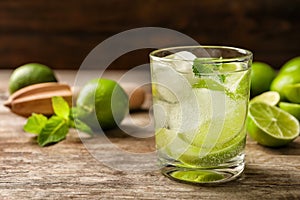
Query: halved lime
[
  {"x": 292, "y": 108},
  {"x": 292, "y": 92},
  {"x": 271, "y": 98},
  {"x": 270, "y": 125},
  {"x": 197, "y": 176}
]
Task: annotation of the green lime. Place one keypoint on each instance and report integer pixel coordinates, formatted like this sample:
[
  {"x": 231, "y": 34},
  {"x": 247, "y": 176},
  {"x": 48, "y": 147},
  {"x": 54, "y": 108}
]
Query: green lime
[
  {"x": 195, "y": 156},
  {"x": 30, "y": 74},
  {"x": 284, "y": 79},
  {"x": 292, "y": 108},
  {"x": 291, "y": 66},
  {"x": 209, "y": 84},
  {"x": 271, "y": 98},
  {"x": 261, "y": 77},
  {"x": 176, "y": 147},
  {"x": 288, "y": 74},
  {"x": 102, "y": 102},
  {"x": 271, "y": 126},
  {"x": 197, "y": 176},
  {"x": 292, "y": 92}
]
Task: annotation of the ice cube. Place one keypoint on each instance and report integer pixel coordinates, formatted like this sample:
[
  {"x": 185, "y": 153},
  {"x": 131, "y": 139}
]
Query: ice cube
[{"x": 183, "y": 61}]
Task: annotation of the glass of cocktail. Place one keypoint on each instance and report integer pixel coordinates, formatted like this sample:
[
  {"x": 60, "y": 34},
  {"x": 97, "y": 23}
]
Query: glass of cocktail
[{"x": 200, "y": 102}]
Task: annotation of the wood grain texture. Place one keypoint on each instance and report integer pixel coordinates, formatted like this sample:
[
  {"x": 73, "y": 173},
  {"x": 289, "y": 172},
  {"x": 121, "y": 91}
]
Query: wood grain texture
[
  {"x": 67, "y": 170},
  {"x": 62, "y": 33}
]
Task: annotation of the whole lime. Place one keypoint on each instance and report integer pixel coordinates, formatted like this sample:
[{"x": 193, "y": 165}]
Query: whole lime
[
  {"x": 283, "y": 80},
  {"x": 102, "y": 102},
  {"x": 288, "y": 74},
  {"x": 291, "y": 66},
  {"x": 262, "y": 75},
  {"x": 30, "y": 74}
]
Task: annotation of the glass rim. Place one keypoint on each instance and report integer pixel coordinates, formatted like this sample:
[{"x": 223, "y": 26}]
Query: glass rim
[{"x": 245, "y": 54}]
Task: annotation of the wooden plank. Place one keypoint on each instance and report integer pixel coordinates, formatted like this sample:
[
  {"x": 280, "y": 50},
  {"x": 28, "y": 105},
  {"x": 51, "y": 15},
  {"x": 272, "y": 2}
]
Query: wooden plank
[
  {"x": 62, "y": 33},
  {"x": 68, "y": 170}
]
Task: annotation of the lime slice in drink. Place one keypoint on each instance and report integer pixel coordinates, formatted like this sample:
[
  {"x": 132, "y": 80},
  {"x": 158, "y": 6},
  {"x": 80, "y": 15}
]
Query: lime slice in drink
[
  {"x": 292, "y": 108},
  {"x": 230, "y": 67},
  {"x": 175, "y": 147},
  {"x": 197, "y": 176},
  {"x": 238, "y": 84},
  {"x": 208, "y": 83},
  {"x": 194, "y": 156},
  {"x": 271, "y": 126},
  {"x": 271, "y": 98},
  {"x": 292, "y": 92}
]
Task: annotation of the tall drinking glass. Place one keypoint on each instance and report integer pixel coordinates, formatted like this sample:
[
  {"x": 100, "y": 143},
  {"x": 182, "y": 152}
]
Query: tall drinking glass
[{"x": 200, "y": 102}]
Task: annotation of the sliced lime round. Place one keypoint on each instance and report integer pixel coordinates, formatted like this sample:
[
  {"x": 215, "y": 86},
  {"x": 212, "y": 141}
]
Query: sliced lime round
[
  {"x": 271, "y": 98},
  {"x": 270, "y": 125}
]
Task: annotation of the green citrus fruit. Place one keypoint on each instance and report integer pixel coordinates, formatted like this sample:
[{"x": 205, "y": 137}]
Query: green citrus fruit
[
  {"x": 291, "y": 66},
  {"x": 271, "y": 97},
  {"x": 292, "y": 108},
  {"x": 29, "y": 74},
  {"x": 270, "y": 125},
  {"x": 176, "y": 147},
  {"x": 262, "y": 75},
  {"x": 102, "y": 102},
  {"x": 288, "y": 74},
  {"x": 284, "y": 79},
  {"x": 292, "y": 92}
]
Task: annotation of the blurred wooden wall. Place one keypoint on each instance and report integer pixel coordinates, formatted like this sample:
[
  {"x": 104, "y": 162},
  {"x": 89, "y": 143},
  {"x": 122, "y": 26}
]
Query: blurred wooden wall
[{"x": 60, "y": 33}]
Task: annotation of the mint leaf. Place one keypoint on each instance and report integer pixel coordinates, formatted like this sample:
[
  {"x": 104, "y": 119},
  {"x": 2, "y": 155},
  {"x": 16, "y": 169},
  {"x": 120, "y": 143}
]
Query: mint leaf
[
  {"x": 61, "y": 107},
  {"x": 222, "y": 78},
  {"x": 81, "y": 126},
  {"x": 77, "y": 123},
  {"x": 35, "y": 123},
  {"x": 199, "y": 67},
  {"x": 54, "y": 130}
]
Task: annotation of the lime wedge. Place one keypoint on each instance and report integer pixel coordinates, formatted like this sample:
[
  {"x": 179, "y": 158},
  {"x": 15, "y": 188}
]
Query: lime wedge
[
  {"x": 271, "y": 98},
  {"x": 175, "y": 147},
  {"x": 230, "y": 67},
  {"x": 209, "y": 84},
  {"x": 197, "y": 176},
  {"x": 292, "y": 108},
  {"x": 219, "y": 154},
  {"x": 271, "y": 126},
  {"x": 292, "y": 92}
]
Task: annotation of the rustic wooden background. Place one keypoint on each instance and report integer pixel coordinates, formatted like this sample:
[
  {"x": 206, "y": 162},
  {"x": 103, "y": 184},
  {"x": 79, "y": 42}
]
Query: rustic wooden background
[{"x": 61, "y": 33}]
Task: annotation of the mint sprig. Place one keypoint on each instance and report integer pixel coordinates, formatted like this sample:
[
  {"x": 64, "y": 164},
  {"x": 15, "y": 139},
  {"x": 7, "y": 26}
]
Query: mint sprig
[
  {"x": 55, "y": 128},
  {"x": 200, "y": 68}
]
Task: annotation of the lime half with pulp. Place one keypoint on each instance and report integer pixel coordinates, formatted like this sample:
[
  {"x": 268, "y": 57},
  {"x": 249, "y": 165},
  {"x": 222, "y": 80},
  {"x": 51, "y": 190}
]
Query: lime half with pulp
[
  {"x": 270, "y": 125},
  {"x": 271, "y": 98}
]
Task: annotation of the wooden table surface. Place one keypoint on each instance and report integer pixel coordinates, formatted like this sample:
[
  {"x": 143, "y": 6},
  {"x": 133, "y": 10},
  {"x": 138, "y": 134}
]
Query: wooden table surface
[{"x": 73, "y": 170}]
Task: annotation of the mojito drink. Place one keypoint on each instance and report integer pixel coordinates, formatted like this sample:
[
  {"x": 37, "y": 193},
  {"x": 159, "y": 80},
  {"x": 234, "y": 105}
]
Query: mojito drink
[{"x": 200, "y": 106}]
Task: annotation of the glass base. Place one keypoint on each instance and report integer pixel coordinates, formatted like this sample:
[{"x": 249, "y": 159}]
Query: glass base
[{"x": 206, "y": 176}]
